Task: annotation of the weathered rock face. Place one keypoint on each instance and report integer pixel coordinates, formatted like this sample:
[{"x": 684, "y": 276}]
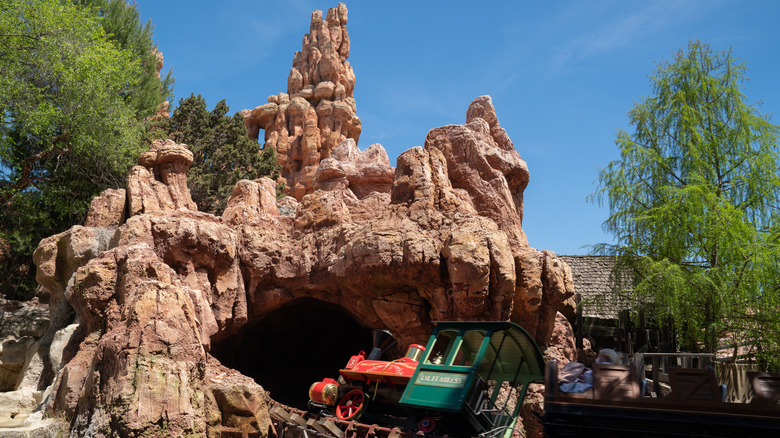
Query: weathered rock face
[
  {"x": 143, "y": 359},
  {"x": 159, "y": 182},
  {"x": 562, "y": 348},
  {"x": 317, "y": 113},
  {"x": 21, "y": 325},
  {"x": 160, "y": 291},
  {"x": 156, "y": 293}
]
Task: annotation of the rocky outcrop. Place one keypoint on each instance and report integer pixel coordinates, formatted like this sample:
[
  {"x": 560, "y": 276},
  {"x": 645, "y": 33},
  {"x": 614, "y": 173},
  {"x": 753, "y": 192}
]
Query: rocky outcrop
[
  {"x": 154, "y": 294},
  {"x": 26, "y": 353},
  {"x": 162, "y": 110},
  {"x": 151, "y": 289},
  {"x": 482, "y": 160},
  {"x": 143, "y": 364},
  {"x": 23, "y": 324},
  {"x": 318, "y": 111},
  {"x": 159, "y": 182}
]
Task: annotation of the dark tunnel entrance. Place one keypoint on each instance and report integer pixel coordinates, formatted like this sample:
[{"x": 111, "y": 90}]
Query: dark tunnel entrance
[{"x": 293, "y": 347}]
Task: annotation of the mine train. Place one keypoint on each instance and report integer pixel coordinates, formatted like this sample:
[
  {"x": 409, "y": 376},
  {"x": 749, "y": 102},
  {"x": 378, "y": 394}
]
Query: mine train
[{"x": 472, "y": 377}]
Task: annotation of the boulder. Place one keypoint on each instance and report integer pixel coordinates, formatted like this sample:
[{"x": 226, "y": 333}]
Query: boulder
[{"x": 23, "y": 324}]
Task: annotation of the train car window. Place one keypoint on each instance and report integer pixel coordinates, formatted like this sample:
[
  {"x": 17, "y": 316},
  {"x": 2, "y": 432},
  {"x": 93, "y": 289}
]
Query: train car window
[
  {"x": 469, "y": 347},
  {"x": 441, "y": 347},
  {"x": 504, "y": 359}
]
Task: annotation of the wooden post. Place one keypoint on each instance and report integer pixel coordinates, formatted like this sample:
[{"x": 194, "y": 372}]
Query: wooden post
[
  {"x": 656, "y": 375},
  {"x": 578, "y": 322}
]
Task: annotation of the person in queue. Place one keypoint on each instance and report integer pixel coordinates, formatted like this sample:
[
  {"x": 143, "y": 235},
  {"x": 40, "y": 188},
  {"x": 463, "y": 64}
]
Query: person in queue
[{"x": 575, "y": 377}]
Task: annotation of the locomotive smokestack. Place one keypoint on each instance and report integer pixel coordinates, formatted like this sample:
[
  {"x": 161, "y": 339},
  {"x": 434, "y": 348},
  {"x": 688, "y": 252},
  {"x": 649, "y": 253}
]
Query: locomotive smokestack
[{"x": 383, "y": 340}]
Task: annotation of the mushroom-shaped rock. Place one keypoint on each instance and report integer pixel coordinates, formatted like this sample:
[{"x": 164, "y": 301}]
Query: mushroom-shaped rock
[{"x": 159, "y": 182}]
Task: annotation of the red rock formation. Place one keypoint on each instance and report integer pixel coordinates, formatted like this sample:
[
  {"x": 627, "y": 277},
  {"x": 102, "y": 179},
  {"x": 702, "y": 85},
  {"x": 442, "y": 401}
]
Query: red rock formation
[
  {"x": 394, "y": 253},
  {"x": 317, "y": 113},
  {"x": 159, "y": 182},
  {"x": 160, "y": 287}
]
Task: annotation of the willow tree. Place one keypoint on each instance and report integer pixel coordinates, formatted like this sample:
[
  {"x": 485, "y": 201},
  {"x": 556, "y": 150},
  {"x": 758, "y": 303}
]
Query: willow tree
[{"x": 693, "y": 205}]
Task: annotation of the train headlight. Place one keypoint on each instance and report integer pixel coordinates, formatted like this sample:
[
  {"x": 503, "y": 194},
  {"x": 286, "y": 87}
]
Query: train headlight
[{"x": 325, "y": 392}]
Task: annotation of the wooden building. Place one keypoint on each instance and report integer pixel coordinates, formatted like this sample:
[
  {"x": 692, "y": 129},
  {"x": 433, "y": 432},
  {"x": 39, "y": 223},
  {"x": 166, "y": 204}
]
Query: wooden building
[{"x": 606, "y": 315}]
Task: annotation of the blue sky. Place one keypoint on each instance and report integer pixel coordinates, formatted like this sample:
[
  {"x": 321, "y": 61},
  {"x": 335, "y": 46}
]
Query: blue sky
[{"x": 562, "y": 74}]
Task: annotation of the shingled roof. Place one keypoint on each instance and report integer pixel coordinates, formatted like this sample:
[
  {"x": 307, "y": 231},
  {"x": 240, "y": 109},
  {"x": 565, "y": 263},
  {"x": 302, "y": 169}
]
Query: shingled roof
[{"x": 591, "y": 274}]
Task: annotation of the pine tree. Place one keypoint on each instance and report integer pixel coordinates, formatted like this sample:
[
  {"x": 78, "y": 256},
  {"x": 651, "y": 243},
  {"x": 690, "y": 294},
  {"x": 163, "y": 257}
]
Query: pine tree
[
  {"x": 122, "y": 23},
  {"x": 223, "y": 154}
]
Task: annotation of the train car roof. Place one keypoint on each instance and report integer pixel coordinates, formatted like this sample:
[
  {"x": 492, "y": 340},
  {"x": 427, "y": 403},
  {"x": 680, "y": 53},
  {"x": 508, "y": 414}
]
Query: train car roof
[{"x": 521, "y": 348}]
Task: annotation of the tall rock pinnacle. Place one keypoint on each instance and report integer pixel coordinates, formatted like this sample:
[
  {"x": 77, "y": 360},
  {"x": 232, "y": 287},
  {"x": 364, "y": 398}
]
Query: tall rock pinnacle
[{"x": 317, "y": 113}]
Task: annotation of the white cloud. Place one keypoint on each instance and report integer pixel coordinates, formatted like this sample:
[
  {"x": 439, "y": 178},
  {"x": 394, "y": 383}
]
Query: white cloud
[
  {"x": 612, "y": 28},
  {"x": 266, "y": 31}
]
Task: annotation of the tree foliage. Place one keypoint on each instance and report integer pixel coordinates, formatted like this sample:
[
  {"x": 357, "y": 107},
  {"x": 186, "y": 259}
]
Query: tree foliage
[
  {"x": 72, "y": 124},
  {"x": 122, "y": 23},
  {"x": 693, "y": 205},
  {"x": 223, "y": 154}
]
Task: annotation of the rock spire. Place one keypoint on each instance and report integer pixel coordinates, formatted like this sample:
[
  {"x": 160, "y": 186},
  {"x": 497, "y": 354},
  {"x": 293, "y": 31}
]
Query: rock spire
[{"x": 317, "y": 112}]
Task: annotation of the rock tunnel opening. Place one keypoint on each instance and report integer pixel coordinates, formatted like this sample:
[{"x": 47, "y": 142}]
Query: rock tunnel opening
[{"x": 294, "y": 346}]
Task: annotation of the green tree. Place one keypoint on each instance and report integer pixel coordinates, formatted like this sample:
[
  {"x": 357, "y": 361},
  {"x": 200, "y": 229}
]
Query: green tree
[
  {"x": 122, "y": 22},
  {"x": 223, "y": 154},
  {"x": 693, "y": 205},
  {"x": 69, "y": 128}
]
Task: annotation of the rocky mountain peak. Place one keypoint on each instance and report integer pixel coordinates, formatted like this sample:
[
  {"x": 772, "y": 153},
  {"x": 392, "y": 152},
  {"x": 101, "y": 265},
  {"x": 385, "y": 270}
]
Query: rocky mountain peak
[{"x": 318, "y": 111}]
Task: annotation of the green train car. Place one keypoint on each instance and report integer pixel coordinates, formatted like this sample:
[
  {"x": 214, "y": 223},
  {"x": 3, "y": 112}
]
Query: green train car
[{"x": 470, "y": 379}]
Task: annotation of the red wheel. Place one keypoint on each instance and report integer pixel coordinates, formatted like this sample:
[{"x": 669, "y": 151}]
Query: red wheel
[
  {"x": 351, "y": 406},
  {"x": 426, "y": 425}
]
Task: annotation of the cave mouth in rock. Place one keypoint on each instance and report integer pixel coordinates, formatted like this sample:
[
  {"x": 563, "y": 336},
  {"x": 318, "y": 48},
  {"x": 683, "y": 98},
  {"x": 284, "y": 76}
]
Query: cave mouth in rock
[{"x": 294, "y": 346}]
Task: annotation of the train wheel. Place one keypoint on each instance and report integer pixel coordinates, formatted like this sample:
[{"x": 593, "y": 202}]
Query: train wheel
[
  {"x": 352, "y": 405},
  {"x": 426, "y": 425}
]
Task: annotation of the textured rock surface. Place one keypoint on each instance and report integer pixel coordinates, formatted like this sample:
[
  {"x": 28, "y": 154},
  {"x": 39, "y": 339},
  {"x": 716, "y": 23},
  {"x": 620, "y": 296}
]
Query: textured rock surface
[
  {"x": 153, "y": 295},
  {"x": 159, "y": 182},
  {"x": 561, "y": 347},
  {"x": 156, "y": 288},
  {"x": 482, "y": 160},
  {"x": 107, "y": 210},
  {"x": 317, "y": 112},
  {"x": 562, "y": 343},
  {"x": 148, "y": 362},
  {"x": 21, "y": 325}
]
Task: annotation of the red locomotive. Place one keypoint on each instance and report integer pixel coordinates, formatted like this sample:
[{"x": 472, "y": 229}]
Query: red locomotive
[
  {"x": 386, "y": 380},
  {"x": 450, "y": 385}
]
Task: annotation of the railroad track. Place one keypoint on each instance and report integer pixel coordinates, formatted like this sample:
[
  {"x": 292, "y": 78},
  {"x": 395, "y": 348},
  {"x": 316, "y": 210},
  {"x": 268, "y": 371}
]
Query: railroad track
[{"x": 290, "y": 422}]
